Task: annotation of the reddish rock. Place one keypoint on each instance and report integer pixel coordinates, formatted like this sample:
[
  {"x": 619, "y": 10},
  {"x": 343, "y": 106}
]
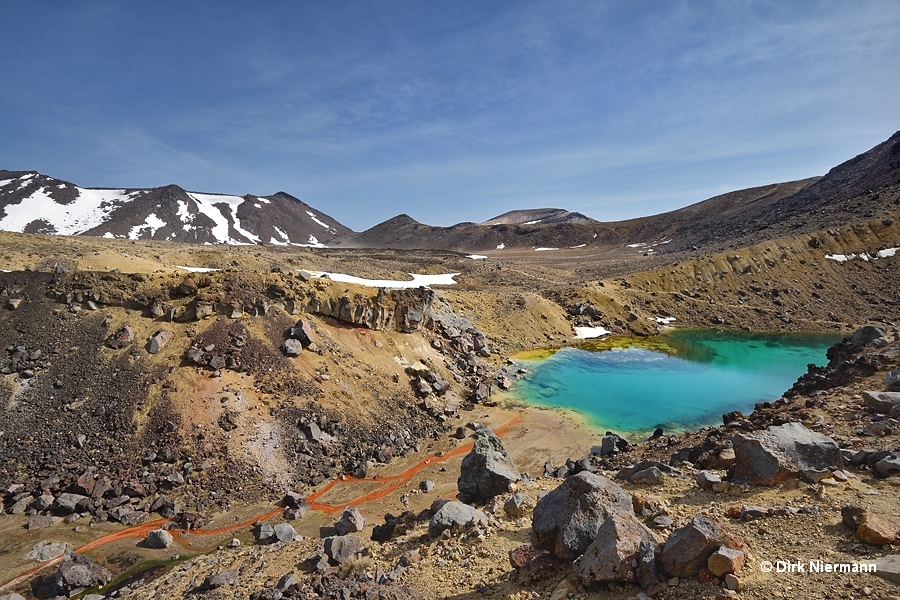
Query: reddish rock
[
  {"x": 725, "y": 560},
  {"x": 688, "y": 548},
  {"x": 878, "y": 530}
]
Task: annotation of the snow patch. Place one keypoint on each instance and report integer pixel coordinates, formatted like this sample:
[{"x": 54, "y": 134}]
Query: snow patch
[
  {"x": 206, "y": 202},
  {"x": 263, "y": 200},
  {"x": 531, "y": 222},
  {"x": 109, "y": 235},
  {"x": 195, "y": 269},
  {"x": 587, "y": 333},
  {"x": 544, "y": 249},
  {"x": 501, "y": 246},
  {"x": 578, "y": 246},
  {"x": 6, "y": 182},
  {"x": 476, "y": 256},
  {"x": 153, "y": 223},
  {"x": 664, "y": 320},
  {"x": 283, "y": 235},
  {"x": 885, "y": 253},
  {"x": 89, "y": 209},
  {"x": 313, "y": 243},
  {"x": 314, "y": 218},
  {"x": 417, "y": 280},
  {"x": 638, "y": 245}
]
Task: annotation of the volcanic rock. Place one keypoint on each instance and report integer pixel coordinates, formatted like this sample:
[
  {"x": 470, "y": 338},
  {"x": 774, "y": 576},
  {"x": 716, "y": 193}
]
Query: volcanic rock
[
  {"x": 487, "y": 470},
  {"x": 219, "y": 579},
  {"x": 158, "y": 341},
  {"x": 121, "y": 338},
  {"x": 516, "y": 505},
  {"x": 725, "y": 560},
  {"x": 781, "y": 452},
  {"x": 341, "y": 548},
  {"x": 882, "y": 402},
  {"x": 351, "y": 521},
  {"x": 285, "y": 533},
  {"x": 612, "y": 555},
  {"x": 159, "y": 538},
  {"x": 292, "y": 347},
  {"x": 455, "y": 516},
  {"x": 566, "y": 520},
  {"x": 78, "y": 571},
  {"x": 689, "y": 547}
]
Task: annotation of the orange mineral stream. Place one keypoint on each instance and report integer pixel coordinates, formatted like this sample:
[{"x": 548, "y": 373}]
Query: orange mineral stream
[{"x": 391, "y": 483}]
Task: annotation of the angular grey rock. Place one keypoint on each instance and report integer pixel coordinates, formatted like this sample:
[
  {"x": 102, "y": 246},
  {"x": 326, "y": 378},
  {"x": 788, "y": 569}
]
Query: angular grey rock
[
  {"x": 41, "y": 522},
  {"x": 351, "y": 521},
  {"x": 426, "y": 486},
  {"x": 341, "y": 548},
  {"x": 159, "y": 538},
  {"x": 219, "y": 579},
  {"x": 68, "y": 503},
  {"x": 292, "y": 347},
  {"x": 705, "y": 480},
  {"x": 158, "y": 341},
  {"x": 865, "y": 335},
  {"x": 312, "y": 431},
  {"x": 887, "y": 466},
  {"x": 264, "y": 533},
  {"x": 455, "y": 516},
  {"x": 44, "y": 551},
  {"x": 566, "y": 520},
  {"x": 882, "y": 402},
  {"x": 21, "y": 505},
  {"x": 647, "y": 571},
  {"x": 284, "y": 533},
  {"x": 689, "y": 547},
  {"x": 612, "y": 556},
  {"x": 302, "y": 332},
  {"x": 651, "y": 476},
  {"x": 78, "y": 571},
  {"x": 516, "y": 505},
  {"x": 285, "y": 582},
  {"x": 781, "y": 452},
  {"x": 888, "y": 567},
  {"x": 43, "y": 502},
  {"x": 487, "y": 470}
]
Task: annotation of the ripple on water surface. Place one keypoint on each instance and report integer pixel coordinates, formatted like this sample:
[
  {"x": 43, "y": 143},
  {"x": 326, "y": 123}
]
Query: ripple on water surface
[{"x": 683, "y": 379}]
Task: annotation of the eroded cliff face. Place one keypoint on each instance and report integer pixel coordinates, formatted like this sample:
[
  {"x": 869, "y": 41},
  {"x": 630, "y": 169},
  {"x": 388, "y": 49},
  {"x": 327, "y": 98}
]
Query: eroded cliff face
[{"x": 180, "y": 386}]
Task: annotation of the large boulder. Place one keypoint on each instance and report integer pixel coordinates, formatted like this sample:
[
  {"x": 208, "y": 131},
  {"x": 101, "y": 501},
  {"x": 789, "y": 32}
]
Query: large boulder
[
  {"x": 455, "y": 516},
  {"x": 351, "y": 521},
  {"x": 567, "y": 520},
  {"x": 612, "y": 556},
  {"x": 487, "y": 470},
  {"x": 159, "y": 538},
  {"x": 341, "y": 548},
  {"x": 78, "y": 571},
  {"x": 689, "y": 548},
  {"x": 883, "y": 402},
  {"x": 781, "y": 452}
]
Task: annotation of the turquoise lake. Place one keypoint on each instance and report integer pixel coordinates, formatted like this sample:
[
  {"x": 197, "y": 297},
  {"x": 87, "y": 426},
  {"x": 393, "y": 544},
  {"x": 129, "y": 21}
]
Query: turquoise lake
[{"x": 700, "y": 375}]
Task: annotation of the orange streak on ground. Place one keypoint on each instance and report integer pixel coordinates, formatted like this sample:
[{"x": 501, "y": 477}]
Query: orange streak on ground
[{"x": 392, "y": 483}]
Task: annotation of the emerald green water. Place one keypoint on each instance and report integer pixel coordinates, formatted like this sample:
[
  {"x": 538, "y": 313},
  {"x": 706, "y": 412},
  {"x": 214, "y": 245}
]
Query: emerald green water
[{"x": 684, "y": 379}]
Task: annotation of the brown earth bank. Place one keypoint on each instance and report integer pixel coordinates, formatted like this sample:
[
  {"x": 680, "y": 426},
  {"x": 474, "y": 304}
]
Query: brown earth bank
[{"x": 271, "y": 380}]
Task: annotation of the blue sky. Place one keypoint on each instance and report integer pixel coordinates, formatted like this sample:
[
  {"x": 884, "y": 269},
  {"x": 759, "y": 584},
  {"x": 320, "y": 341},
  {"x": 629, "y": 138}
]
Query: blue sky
[{"x": 447, "y": 111}]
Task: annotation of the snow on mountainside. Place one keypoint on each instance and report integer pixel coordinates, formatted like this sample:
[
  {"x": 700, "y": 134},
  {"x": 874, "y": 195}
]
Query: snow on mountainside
[{"x": 34, "y": 203}]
